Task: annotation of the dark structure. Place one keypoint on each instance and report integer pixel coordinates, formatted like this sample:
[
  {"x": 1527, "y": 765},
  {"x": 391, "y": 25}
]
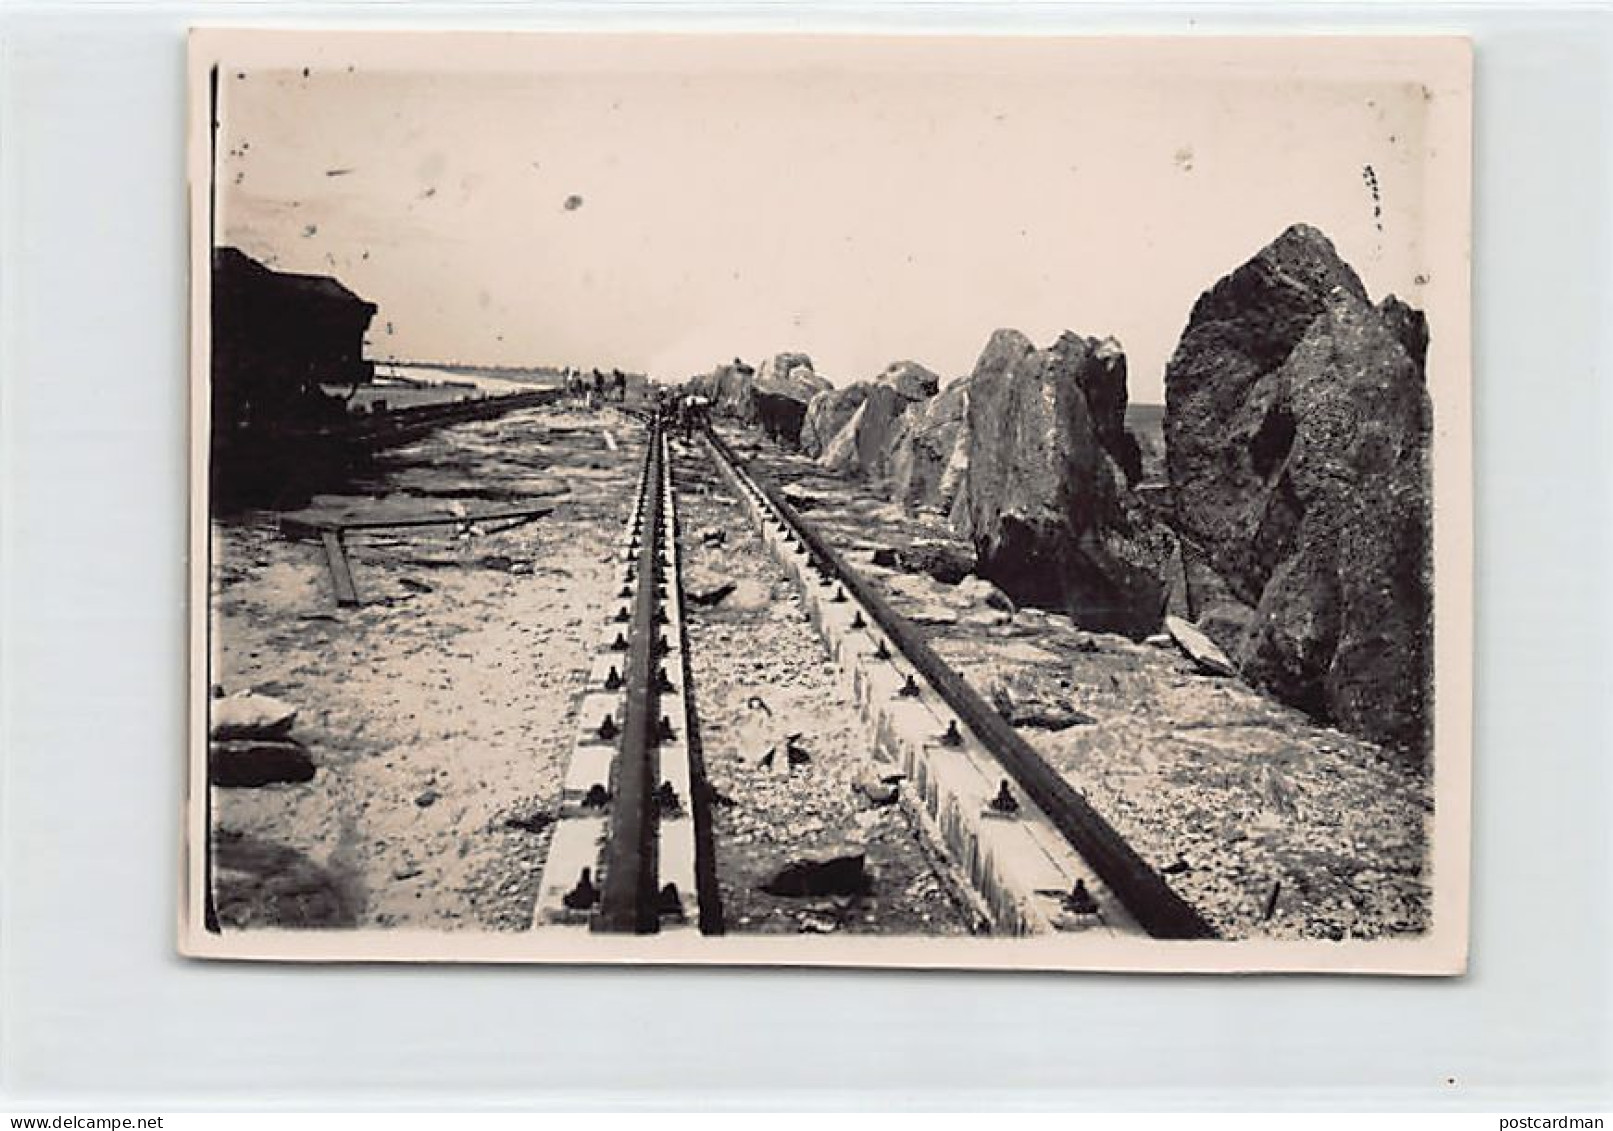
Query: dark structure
[
  {"x": 277, "y": 338},
  {"x": 279, "y": 341}
]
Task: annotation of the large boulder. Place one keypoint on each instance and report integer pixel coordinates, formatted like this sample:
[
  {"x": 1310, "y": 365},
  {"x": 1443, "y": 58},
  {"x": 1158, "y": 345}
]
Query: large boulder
[
  {"x": 777, "y": 372},
  {"x": 924, "y": 447},
  {"x": 858, "y": 448},
  {"x": 910, "y": 379},
  {"x": 827, "y": 413},
  {"x": 1297, "y": 424},
  {"x": 783, "y": 388},
  {"x": 1052, "y": 520},
  {"x": 1225, "y": 433}
]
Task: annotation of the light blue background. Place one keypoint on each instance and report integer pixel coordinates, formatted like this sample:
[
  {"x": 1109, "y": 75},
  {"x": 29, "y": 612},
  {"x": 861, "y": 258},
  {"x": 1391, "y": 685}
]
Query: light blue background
[{"x": 99, "y": 1012}]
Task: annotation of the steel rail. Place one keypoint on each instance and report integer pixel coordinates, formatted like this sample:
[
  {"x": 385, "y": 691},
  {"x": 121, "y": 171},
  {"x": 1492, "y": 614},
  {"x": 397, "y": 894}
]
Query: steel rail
[
  {"x": 627, "y": 903},
  {"x": 708, "y": 891},
  {"x": 1157, "y": 908}
]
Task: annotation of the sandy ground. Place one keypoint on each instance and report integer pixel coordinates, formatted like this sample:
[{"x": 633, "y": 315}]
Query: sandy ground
[
  {"x": 758, "y": 647},
  {"x": 439, "y": 712},
  {"x": 1243, "y": 804}
]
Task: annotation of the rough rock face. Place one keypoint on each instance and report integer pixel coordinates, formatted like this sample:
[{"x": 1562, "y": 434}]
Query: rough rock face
[
  {"x": 1227, "y": 623},
  {"x": 955, "y": 482},
  {"x": 925, "y": 445},
  {"x": 777, "y": 370},
  {"x": 910, "y": 379},
  {"x": 1297, "y": 424},
  {"x": 901, "y": 385},
  {"x": 1104, "y": 384},
  {"x": 731, "y": 387},
  {"x": 784, "y": 386},
  {"x": 858, "y": 448},
  {"x": 1225, "y": 431},
  {"x": 1052, "y": 520},
  {"x": 827, "y": 414}
]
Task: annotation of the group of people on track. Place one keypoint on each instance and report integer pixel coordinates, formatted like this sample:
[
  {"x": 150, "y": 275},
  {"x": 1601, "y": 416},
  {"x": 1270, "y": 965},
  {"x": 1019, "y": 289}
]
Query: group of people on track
[
  {"x": 688, "y": 413},
  {"x": 596, "y": 391},
  {"x": 692, "y": 415}
]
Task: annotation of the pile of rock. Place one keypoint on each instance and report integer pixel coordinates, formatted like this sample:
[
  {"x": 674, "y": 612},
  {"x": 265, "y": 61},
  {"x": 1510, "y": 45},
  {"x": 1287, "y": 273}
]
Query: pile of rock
[
  {"x": 251, "y": 743},
  {"x": 1294, "y": 528},
  {"x": 774, "y": 398},
  {"x": 850, "y": 429},
  {"x": 729, "y": 387},
  {"x": 784, "y": 387},
  {"x": 1029, "y": 456},
  {"x": 1297, "y": 427},
  {"x": 859, "y": 447}
]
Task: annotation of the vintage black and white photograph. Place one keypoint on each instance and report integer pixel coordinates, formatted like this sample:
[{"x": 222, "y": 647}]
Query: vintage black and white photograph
[{"x": 848, "y": 500}]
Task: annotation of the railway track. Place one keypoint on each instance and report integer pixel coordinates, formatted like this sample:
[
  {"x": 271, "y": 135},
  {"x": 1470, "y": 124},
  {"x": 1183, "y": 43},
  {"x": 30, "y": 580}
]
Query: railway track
[
  {"x": 631, "y": 852},
  {"x": 634, "y": 849},
  {"x": 1036, "y": 853},
  {"x": 272, "y": 463}
]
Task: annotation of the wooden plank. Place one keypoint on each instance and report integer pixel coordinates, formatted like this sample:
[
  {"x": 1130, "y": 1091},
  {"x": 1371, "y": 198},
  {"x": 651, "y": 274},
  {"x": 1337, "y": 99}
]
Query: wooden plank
[
  {"x": 299, "y": 523},
  {"x": 526, "y": 514},
  {"x": 341, "y": 574}
]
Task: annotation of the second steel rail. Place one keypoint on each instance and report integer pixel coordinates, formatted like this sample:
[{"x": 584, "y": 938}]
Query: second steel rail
[{"x": 1151, "y": 901}]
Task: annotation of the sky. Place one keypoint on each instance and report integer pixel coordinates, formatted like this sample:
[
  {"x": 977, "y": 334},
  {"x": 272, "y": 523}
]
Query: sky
[{"x": 667, "y": 207}]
